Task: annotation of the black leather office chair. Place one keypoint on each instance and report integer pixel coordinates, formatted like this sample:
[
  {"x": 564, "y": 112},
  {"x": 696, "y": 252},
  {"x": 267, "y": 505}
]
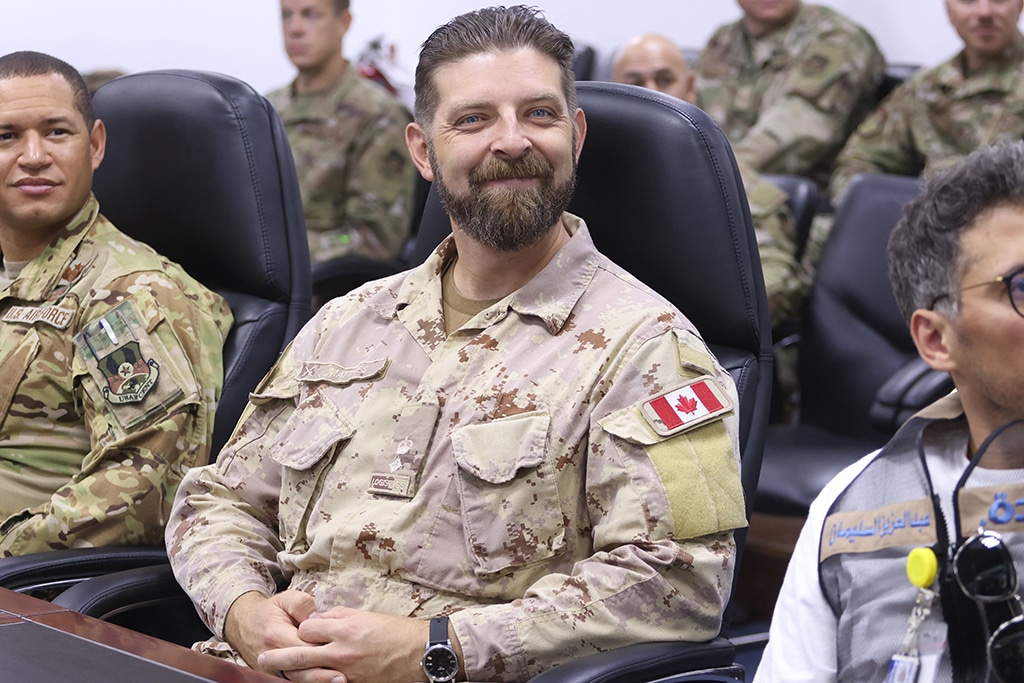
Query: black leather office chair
[
  {"x": 662, "y": 196},
  {"x": 583, "y": 62},
  {"x": 197, "y": 165},
  {"x": 860, "y": 374},
  {"x": 802, "y": 199}
]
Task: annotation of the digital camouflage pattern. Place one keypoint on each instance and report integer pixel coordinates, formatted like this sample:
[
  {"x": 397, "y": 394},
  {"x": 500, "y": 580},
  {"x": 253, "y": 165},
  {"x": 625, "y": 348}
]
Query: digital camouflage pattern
[
  {"x": 785, "y": 279},
  {"x": 355, "y": 174},
  {"x": 110, "y": 372},
  {"x": 788, "y": 100},
  {"x": 504, "y": 474},
  {"x": 936, "y": 118}
]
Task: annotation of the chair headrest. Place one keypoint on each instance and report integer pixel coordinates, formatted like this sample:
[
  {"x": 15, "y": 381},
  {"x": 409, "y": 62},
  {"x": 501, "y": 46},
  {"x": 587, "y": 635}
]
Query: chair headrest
[{"x": 198, "y": 167}]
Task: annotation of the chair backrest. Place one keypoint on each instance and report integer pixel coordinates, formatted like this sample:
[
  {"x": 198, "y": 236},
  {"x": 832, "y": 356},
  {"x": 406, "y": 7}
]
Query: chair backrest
[
  {"x": 583, "y": 62},
  {"x": 198, "y": 166},
  {"x": 802, "y": 194},
  {"x": 852, "y": 335},
  {"x": 660, "y": 192}
]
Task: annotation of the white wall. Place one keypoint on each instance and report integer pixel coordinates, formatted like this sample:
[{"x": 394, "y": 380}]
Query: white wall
[{"x": 242, "y": 37}]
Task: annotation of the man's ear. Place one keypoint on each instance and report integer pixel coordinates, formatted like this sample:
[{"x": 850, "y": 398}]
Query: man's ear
[
  {"x": 934, "y": 337},
  {"x": 97, "y": 143},
  {"x": 416, "y": 141},
  {"x": 581, "y": 131}
]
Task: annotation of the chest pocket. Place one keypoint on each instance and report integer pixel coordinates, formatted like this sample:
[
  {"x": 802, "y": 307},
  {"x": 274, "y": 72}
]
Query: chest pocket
[
  {"x": 508, "y": 492},
  {"x": 305, "y": 448},
  {"x": 14, "y": 367}
]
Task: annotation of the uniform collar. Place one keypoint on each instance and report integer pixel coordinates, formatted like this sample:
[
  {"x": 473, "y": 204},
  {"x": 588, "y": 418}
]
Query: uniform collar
[
  {"x": 550, "y": 295},
  {"x": 48, "y": 275},
  {"x": 996, "y": 78}
]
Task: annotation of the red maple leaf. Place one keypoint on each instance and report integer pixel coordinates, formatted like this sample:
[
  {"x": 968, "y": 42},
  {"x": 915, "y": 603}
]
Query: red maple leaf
[{"x": 686, "y": 405}]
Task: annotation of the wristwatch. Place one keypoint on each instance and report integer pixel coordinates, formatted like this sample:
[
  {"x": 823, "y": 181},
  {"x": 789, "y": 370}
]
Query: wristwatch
[{"x": 440, "y": 662}]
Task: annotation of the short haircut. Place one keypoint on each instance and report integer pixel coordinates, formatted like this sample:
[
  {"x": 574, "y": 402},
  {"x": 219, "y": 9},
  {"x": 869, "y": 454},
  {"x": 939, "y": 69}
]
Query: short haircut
[
  {"x": 26, "y": 64},
  {"x": 490, "y": 30},
  {"x": 925, "y": 248},
  {"x": 339, "y": 6}
]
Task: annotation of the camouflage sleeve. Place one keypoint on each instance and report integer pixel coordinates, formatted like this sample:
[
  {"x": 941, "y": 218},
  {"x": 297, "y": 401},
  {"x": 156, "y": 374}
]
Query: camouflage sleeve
[
  {"x": 830, "y": 85},
  {"x": 148, "y": 405},
  {"x": 785, "y": 279},
  {"x": 380, "y": 192},
  {"x": 222, "y": 535},
  {"x": 883, "y": 143},
  {"x": 662, "y": 510}
]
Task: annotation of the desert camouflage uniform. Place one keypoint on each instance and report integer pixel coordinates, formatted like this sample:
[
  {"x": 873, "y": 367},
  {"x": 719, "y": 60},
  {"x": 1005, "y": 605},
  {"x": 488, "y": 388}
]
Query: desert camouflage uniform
[
  {"x": 355, "y": 174},
  {"x": 530, "y": 499},
  {"x": 784, "y": 277},
  {"x": 788, "y": 100},
  {"x": 937, "y": 117},
  {"x": 97, "y": 434}
]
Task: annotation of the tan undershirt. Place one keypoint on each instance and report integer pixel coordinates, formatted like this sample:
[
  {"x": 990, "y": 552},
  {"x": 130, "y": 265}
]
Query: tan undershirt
[
  {"x": 10, "y": 272},
  {"x": 458, "y": 310}
]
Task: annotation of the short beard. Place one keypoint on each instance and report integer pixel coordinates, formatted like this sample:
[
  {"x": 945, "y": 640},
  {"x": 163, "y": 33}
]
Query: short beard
[{"x": 507, "y": 219}]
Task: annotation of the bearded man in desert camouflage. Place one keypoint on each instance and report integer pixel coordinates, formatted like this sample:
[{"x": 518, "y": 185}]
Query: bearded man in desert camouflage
[{"x": 470, "y": 454}]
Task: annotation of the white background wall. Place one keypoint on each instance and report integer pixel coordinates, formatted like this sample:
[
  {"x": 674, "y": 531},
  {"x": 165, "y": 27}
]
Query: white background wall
[{"x": 242, "y": 37}]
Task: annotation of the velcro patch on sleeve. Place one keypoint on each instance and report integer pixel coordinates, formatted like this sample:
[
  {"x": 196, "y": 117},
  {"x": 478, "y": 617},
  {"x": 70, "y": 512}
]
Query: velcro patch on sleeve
[{"x": 681, "y": 409}]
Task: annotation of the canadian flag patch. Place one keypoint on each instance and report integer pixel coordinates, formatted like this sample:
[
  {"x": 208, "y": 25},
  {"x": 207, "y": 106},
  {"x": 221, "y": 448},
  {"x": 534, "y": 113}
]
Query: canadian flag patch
[{"x": 686, "y": 407}]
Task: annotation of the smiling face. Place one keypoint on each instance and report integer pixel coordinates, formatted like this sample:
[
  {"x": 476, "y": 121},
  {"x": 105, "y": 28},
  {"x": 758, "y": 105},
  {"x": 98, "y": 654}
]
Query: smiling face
[
  {"x": 987, "y": 27},
  {"x": 47, "y": 159},
  {"x": 502, "y": 146}
]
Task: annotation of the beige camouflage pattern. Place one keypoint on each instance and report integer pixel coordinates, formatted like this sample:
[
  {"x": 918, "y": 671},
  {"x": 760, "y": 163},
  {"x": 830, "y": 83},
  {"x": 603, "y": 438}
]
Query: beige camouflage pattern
[
  {"x": 78, "y": 468},
  {"x": 355, "y": 174},
  {"x": 785, "y": 279},
  {"x": 937, "y": 117},
  {"x": 788, "y": 100},
  {"x": 536, "y": 504}
]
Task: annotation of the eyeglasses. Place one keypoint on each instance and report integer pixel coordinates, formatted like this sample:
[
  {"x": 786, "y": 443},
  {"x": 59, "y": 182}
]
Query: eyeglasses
[
  {"x": 1014, "y": 289},
  {"x": 985, "y": 571}
]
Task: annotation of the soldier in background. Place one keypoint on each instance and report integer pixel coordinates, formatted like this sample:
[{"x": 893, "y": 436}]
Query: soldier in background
[
  {"x": 787, "y": 83},
  {"x": 347, "y": 135},
  {"x": 110, "y": 355},
  {"x": 940, "y": 115},
  {"x": 473, "y": 449},
  {"x": 655, "y": 62}
]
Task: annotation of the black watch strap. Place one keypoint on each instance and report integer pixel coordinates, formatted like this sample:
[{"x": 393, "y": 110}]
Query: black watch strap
[{"x": 438, "y": 630}]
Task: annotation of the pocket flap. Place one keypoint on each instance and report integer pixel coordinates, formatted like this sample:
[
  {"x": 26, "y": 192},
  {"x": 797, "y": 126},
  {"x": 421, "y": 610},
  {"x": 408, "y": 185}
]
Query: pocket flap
[
  {"x": 494, "y": 451},
  {"x": 310, "y": 433}
]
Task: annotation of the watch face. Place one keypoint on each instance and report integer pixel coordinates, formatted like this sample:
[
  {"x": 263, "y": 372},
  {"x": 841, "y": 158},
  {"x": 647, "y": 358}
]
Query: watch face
[{"x": 440, "y": 663}]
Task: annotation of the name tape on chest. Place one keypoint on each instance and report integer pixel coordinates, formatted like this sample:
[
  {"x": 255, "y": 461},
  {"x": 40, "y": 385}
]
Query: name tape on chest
[
  {"x": 54, "y": 316},
  {"x": 995, "y": 508},
  {"x": 909, "y": 523},
  {"x": 686, "y": 407}
]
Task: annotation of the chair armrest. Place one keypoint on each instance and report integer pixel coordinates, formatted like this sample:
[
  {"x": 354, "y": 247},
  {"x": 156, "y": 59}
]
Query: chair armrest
[
  {"x": 664, "y": 662},
  {"x": 145, "y": 599},
  {"x": 58, "y": 569},
  {"x": 911, "y": 388}
]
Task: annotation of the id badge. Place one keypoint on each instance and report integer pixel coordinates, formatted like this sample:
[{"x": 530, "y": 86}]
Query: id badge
[{"x": 902, "y": 669}]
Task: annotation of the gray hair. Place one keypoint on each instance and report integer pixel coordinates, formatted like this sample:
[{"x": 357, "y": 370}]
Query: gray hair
[
  {"x": 925, "y": 255},
  {"x": 490, "y": 30}
]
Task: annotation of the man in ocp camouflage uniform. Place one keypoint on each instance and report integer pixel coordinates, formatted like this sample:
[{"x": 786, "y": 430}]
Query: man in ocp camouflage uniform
[
  {"x": 516, "y": 451},
  {"x": 110, "y": 355},
  {"x": 347, "y": 135},
  {"x": 940, "y": 115},
  {"x": 655, "y": 62},
  {"x": 787, "y": 83}
]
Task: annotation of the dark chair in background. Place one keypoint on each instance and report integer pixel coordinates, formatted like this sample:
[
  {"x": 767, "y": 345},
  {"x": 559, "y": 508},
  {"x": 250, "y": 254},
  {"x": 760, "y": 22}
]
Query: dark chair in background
[
  {"x": 859, "y": 377},
  {"x": 662, "y": 196},
  {"x": 583, "y": 62},
  {"x": 893, "y": 75},
  {"x": 197, "y": 165},
  {"x": 802, "y": 194}
]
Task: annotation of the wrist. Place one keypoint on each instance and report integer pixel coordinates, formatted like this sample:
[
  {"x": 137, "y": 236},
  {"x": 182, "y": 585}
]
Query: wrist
[{"x": 441, "y": 662}]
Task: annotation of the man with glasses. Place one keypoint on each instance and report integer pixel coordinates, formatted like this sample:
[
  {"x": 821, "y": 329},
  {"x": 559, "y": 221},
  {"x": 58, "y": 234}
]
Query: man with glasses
[{"x": 847, "y": 610}]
